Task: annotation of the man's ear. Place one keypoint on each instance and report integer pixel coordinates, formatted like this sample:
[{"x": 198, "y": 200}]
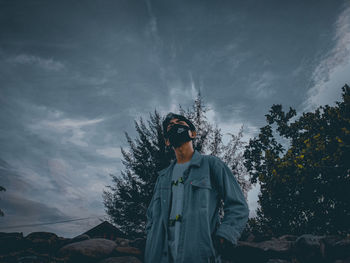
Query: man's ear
[
  {"x": 194, "y": 134},
  {"x": 167, "y": 143}
]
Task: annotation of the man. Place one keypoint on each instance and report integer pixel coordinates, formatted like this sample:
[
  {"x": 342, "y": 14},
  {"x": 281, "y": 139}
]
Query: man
[{"x": 183, "y": 223}]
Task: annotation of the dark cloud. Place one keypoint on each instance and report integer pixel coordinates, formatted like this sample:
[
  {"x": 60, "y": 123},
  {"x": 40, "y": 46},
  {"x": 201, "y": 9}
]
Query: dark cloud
[
  {"x": 23, "y": 213},
  {"x": 75, "y": 75}
]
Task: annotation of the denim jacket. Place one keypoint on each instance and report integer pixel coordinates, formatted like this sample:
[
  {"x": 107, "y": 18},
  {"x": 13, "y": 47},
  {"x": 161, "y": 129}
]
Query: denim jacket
[{"x": 207, "y": 180}]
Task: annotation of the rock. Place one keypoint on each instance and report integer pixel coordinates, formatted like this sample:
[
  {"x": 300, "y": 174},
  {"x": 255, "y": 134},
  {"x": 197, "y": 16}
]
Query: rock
[
  {"x": 128, "y": 251},
  {"x": 335, "y": 247},
  {"x": 88, "y": 250},
  {"x": 42, "y": 235},
  {"x": 277, "y": 261},
  {"x": 250, "y": 238},
  {"x": 47, "y": 247},
  {"x": 27, "y": 259},
  {"x": 120, "y": 260},
  {"x": 11, "y": 234},
  {"x": 42, "y": 241},
  {"x": 307, "y": 248},
  {"x": 274, "y": 248},
  {"x": 12, "y": 257},
  {"x": 61, "y": 242},
  {"x": 288, "y": 237},
  {"x": 246, "y": 252},
  {"x": 122, "y": 242},
  {"x": 342, "y": 248},
  {"x": 27, "y": 256},
  {"x": 10, "y": 242},
  {"x": 139, "y": 243},
  {"x": 342, "y": 260}
]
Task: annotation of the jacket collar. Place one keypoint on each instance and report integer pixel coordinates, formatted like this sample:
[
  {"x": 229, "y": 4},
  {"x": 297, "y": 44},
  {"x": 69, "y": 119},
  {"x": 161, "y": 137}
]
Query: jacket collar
[{"x": 195, "y": 161}]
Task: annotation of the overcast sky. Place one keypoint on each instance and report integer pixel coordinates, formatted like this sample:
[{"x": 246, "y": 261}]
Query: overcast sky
[{"x": 74, "y": 75}]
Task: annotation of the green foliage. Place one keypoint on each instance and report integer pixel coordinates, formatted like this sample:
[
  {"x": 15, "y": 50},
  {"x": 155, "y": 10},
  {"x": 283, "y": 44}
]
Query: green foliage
[{"x": 304, "y": 189}]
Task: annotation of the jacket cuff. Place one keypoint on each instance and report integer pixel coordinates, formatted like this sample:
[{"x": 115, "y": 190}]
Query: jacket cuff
[{"x": 228, "y": 233}]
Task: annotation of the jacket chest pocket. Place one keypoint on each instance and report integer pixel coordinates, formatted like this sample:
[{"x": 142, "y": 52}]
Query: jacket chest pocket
[{"x": 202, "y": 192}]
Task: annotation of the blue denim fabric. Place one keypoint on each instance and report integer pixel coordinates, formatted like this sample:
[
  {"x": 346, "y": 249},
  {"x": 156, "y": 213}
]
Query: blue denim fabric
[
  {"x": 176, "y": 208},
  {"x": 207, "y": 180}
]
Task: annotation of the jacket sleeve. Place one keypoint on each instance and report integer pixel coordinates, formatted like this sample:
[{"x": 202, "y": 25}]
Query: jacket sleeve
[
  {"x": 236, "y": 210},
  {"x": 149, "y": 209}
]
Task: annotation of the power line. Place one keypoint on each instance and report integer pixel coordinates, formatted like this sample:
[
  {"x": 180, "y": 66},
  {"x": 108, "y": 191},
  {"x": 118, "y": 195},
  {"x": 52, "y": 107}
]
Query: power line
[{"x": 49, "y": 223}]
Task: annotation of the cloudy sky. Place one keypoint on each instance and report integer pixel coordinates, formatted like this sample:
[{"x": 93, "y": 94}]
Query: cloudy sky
[{"x": 74, "y": 75}]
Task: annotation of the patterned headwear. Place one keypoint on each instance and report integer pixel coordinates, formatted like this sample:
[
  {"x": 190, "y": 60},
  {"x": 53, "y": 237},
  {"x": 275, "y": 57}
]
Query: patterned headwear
[{"x": 171, "y": 116}]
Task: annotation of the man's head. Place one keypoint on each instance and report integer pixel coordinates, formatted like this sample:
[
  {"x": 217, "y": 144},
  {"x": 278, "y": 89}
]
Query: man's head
[{"x": 180, "y": 123}]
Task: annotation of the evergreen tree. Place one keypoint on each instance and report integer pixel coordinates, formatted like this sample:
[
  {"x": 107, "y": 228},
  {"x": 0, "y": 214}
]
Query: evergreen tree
[
  {"x": 127, "y": 201},
  {"x": 303, "y": 189},
  {"x": 233, "y": 156},
  {"x": 126, "y": 204},
  {"x": 197, "y": 115}
]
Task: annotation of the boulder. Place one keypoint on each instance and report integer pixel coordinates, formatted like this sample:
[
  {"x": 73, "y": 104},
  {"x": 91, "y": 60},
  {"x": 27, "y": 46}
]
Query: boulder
[
  {"x": 260, "y": 252},
  {"x": 139, "y": 243},
  {"x": 11, "y": 234},
  {"x": 42, "y": 235},
  {"x": 42, "y": 241},
  {"x": 342, "y": 248},
  {"x": 250, "y": 238},
  {"x": 120, "y": 260},
  {"x": 335, "y": 247},
  {"x": 65, "y": 241},
  {"x": 47, "y": 247},
  {"x": 288, "y": 237},
  {"x": 88, "y": 250},
  {"x": 10, "y": 242},
  {"x": 128, "y": 251},
  {"x": 347, "y": 260},
  {"x": 277, "y": 261},
  {"x": 122, "y": 242},
  {"x": 62, "y": 241},
  {"x": 308, "y": 248}
]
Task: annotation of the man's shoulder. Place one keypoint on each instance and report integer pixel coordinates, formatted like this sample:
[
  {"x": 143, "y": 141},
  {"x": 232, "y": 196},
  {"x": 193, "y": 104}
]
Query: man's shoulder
[{"x": 212, "y": 159}]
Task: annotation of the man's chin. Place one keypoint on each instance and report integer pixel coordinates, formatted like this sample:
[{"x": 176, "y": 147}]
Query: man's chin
[{"x": 178, "y": 146}]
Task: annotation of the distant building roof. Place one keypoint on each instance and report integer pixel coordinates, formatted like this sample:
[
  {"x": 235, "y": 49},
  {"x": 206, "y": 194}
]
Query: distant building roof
[{"x": 105, "y": 230}]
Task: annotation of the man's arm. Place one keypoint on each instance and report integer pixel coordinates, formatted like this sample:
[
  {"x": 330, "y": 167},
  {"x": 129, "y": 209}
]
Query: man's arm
[
  {"x": 236, "y": 211},
  {"x": 149, "y": 214}
]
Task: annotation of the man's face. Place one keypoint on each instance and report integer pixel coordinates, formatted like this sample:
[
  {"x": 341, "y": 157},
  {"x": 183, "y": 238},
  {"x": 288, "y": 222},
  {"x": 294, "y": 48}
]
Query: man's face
[
  {"x": 177, "y": 121},
  {"x": 174, "y": 121}
]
